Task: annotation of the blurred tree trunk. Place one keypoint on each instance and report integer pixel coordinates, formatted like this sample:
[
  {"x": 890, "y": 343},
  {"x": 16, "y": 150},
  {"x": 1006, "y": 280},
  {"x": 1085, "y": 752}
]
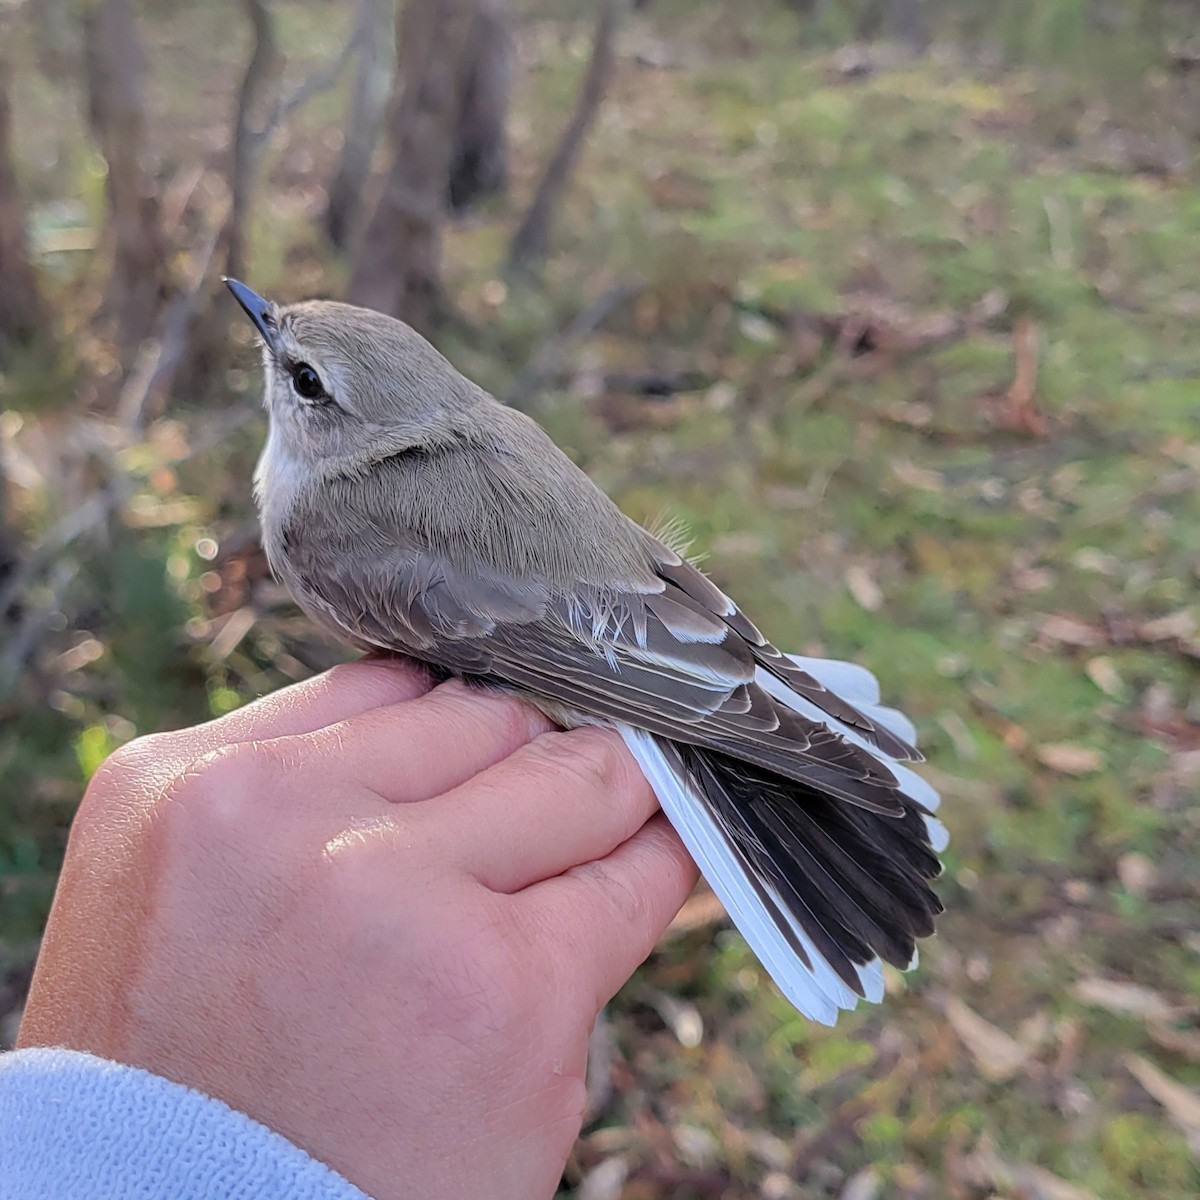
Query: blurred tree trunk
[
  {"x": 192, "y": 333},
  {"x": 398, "y": 267},
  {"x": 192, "y": 337},
  {"x": 137, "y": 280},
  {"x": 899, "y": 21},
  {"x": 368, "y": 104},
  {"x": 532, "y": 239},
  {"x": 479, "y": 167},
  {"x": 20, "y": 307},
  {"x": 249, "y": 122},
  {"x": 9, "y": 555},
  {"x": 904, "y": 22},
  {"x": 8, "y": 542},
  {"x": 56, "y": 42}
]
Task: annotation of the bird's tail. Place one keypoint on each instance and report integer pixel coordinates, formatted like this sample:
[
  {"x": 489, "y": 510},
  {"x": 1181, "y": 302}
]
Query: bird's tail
[{"x": 822, "y": 891}]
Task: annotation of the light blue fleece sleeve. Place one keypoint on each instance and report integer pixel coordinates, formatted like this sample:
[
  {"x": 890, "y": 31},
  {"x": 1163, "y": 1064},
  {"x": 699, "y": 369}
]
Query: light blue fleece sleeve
[{"x": 73, "y": 1126}]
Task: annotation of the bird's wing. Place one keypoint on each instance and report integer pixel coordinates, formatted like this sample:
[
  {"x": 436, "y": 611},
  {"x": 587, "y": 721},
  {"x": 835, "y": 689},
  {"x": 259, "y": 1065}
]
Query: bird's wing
[
  {"x": 659, "y": 654},
  {"x": 677, "y": 571}
]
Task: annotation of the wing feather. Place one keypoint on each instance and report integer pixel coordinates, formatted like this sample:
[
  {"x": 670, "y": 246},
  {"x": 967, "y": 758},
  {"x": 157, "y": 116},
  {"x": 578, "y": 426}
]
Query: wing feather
[
  {"x": 665, "y": 650},
  {"x": 700, "y": 588}
]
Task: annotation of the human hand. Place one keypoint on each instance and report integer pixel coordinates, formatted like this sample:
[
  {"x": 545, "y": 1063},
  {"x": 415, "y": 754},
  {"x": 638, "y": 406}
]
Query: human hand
[{"x": 377, "y": 917}]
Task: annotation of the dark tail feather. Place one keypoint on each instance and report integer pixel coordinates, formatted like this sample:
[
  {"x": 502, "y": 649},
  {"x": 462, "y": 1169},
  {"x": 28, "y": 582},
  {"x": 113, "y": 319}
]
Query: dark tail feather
[{"x": 855, "y": 882}]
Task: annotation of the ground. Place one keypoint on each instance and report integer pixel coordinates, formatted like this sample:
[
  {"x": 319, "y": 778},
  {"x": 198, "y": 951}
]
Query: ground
[{"x": 909, "y": 346}]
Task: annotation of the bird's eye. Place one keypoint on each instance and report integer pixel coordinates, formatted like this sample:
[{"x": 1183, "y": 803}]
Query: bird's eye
[{"x": 307, "y": 382}]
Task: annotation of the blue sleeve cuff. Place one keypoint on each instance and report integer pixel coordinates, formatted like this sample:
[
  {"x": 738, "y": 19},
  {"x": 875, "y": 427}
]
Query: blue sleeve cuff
[{"x": 75, "y": 1126}]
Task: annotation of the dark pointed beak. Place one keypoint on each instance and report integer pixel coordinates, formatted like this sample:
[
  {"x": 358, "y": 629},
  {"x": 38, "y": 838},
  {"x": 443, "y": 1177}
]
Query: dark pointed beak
[{"x": 260, "y": 311}]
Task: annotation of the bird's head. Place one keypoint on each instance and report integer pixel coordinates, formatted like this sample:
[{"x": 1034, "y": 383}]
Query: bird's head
[{"x": 347, "y": 386}]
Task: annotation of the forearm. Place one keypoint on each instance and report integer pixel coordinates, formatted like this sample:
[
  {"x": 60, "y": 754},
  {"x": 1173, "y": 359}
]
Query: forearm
[{"x": 73, "y": 1126}]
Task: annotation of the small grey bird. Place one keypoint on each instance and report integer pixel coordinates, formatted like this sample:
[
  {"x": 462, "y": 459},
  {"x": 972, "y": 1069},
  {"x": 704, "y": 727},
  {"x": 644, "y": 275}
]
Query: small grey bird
[{"x": 407, "y": 510}]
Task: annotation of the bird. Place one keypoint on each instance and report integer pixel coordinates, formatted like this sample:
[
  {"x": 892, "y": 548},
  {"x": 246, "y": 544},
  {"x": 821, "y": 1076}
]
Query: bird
[{"x": 410, "y": 512}]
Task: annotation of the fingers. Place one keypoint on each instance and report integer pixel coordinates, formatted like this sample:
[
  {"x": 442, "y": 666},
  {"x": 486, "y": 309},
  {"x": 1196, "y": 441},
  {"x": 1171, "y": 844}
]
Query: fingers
[
  {"x": 335, "y": 695},
  {"x": 146, "y": 764},
  {"x": 562, "y": 799},
  {"x": 420, "y": 748},
  {"x": 610, "y": 912}
]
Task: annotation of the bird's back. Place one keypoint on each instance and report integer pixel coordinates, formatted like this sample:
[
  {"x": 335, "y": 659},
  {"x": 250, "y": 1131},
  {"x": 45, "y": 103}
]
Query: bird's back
[{"x": 504, "y": 498}]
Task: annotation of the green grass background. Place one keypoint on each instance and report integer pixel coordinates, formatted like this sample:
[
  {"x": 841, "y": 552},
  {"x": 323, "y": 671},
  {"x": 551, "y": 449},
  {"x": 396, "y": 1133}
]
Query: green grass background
[{"x": 1028, "y": 596}]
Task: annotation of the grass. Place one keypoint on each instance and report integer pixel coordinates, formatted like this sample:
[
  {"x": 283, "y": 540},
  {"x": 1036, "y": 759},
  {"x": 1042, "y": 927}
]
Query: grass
[{"x": 1028, "y": 598}]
